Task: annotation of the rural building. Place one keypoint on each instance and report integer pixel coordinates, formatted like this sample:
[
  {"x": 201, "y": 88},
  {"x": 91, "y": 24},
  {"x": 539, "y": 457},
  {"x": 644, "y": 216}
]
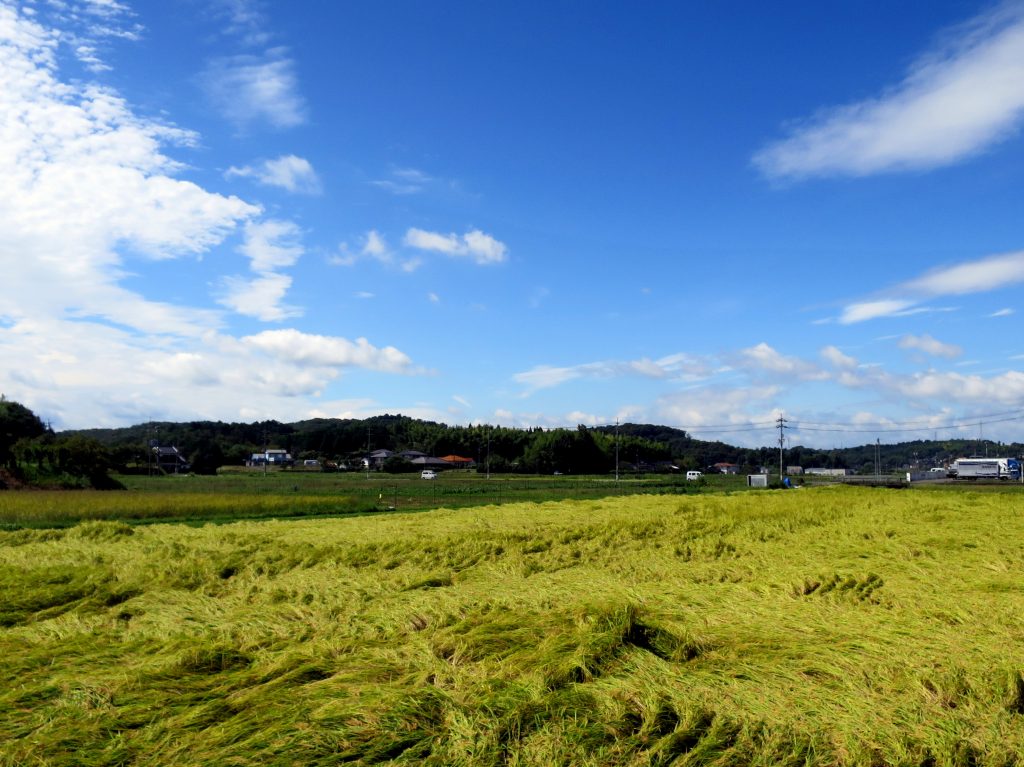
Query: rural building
[
  {"x": 794, "y": 470},
  {"x": 271, "y": 457},
  {"x": 726, "y": 468},
  {"x": 458, "y": 462},
  {"x": 827, "y": 472},
  {"x": 170, "y": 460}
]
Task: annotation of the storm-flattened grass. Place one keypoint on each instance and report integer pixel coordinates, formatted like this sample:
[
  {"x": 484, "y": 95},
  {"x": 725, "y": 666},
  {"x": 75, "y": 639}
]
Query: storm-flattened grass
[{"x": 832, "y": 626}]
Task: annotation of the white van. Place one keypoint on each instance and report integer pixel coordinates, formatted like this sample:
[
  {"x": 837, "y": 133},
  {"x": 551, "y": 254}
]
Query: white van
[
  {"x": 693, "y": 475},
  {"x": 428, "y": 474}
]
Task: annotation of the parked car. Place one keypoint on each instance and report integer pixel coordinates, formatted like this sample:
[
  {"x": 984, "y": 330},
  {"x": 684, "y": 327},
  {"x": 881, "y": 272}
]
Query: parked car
[
  {"x": 428, "y": 474},
  {"x": 693, "y": 475}
]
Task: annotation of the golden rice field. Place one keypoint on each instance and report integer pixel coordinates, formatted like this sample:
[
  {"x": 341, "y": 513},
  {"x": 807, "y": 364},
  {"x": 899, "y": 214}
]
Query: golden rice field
[{"x": 831, "y": 626}]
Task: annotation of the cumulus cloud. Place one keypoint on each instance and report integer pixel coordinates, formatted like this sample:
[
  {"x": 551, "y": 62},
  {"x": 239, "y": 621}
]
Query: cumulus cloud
[
  {"x": 259, "y": 297},
  {"x": 722, "y": 413},
  {"x": 978, "y": 276},
  {"x": 476, "y": 245},
  {"x": 249, "y": 88},
  {"x": 88, "y": 195},
  {"x": 929, "y": 345},
  {"x": 271, "y": 244},
  {"x": 327, "y": 351},
  {"x": 85, "y": 184},
  {"x": 954, "y": 102},
  {"x": 289, "y": 172},
  {"x": 765, "y": 359}
]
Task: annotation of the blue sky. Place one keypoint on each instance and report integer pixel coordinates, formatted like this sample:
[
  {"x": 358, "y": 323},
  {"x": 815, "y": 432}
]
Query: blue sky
[{"x": 703, "y": 215}]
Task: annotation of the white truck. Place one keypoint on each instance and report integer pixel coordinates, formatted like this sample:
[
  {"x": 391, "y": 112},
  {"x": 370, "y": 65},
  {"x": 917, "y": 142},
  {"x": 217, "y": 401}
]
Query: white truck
[{"x": 986, "y": 468}]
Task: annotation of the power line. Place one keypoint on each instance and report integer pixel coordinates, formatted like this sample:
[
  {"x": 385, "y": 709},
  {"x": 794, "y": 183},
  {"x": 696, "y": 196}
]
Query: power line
[{"x": 860, "y": 426}]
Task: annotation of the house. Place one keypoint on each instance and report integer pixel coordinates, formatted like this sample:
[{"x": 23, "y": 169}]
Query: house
[
  {"x": 427, "y": 462},
  {"x": 170, "y": 460},
  {"x": 271, "y": 457},
  {"x": 726, "y": 468},
  {"x": 458, "y": 462}
]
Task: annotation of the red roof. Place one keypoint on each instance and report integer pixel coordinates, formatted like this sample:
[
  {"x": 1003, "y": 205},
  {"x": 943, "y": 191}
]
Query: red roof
[{"x": 456, "y": 459}]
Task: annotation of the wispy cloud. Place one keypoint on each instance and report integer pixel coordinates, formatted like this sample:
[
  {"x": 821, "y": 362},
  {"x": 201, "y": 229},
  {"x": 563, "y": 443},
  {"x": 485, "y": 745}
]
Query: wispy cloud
[
  {"x": 1003, "y": 313},
  {"x": 270, "y": 246},
  {"x": 955, "y": 101},
  {"x": 256, "y": 88},
  {"x": 244, "y": 20},
  {"x": 476, "y": 245},
  {"x": 925, "y": 343},
  {"x": 675, "y": 366},
  {"x": 991, "y": 273},
  {"x": 404, "y": 181},
  {"x": 289, "y": 172},
  {"x": 837, "y": 359}
]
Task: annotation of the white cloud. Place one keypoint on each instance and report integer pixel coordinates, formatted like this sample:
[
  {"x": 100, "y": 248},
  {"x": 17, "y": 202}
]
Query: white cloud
[
  {"x": 929, "y": 345},
  {"x": 327, "y": 351},
  {"x": 271, "y": 244},
  {"x": 289, "y": 172},
  {"x": 982, "y": 275},
  {"x": 1005, "y": 390},
  {"x": 1003, "y": 313},
  {"x": 85, "y": 186},
  {"x": 244, "y": 20},
  {"x": 404, "y": 181},
  {"x": 837, "y": 359},
  {"x": 480, "y": 247},
  {"x": 979, "y": 276},
  {"x": 375, "y": 246},
  {"x": 259, "y": 297},
  {"x": 86, "y": 195},
  {"x": 722, "y": 413},
  {"x": 763, "y": 358},
  {"x": 955, "y": 101},
  {"x": 677, "y": 366},
  {"x": 869, "y": 310},
  {"x": 249, "y": 88}
]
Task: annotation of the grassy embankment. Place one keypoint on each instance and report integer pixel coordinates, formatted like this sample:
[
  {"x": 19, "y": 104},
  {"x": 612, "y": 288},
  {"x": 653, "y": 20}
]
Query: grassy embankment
[{"x": 833, "y": 626}]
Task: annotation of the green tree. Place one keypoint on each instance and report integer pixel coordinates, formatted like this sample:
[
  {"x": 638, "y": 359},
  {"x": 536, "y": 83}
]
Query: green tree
[{"x": 17, "y": 422}]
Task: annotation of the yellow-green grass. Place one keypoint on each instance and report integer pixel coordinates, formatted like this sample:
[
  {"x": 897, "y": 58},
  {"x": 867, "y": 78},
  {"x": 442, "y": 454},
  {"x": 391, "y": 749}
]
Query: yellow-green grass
[
  {"x": 827, "y": 626},
  {"x": 252, "y": 494}
]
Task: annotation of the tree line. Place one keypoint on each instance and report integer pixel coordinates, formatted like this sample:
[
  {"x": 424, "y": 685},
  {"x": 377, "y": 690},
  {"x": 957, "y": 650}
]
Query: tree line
[{"x": 30, "y": 449}]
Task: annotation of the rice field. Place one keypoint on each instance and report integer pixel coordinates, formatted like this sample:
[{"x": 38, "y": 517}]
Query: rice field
[{"x": 827, "y": 626}]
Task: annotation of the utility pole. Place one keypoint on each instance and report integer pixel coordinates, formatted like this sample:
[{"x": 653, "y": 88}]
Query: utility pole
[
  {"x": 782, "y": 440},
  {"x": 616, "y": 451},
  {"x": 367, "y": 451},
  {"x": 878, "y": 458}
]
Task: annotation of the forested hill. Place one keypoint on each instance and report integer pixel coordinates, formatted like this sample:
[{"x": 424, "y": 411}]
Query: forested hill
[{"x": 209, "y": 444}]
